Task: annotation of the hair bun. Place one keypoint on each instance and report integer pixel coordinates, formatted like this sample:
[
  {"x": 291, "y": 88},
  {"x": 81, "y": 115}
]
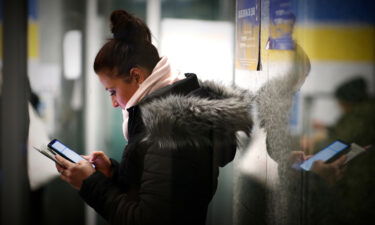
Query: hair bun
[{"x": 129, "y": 28}]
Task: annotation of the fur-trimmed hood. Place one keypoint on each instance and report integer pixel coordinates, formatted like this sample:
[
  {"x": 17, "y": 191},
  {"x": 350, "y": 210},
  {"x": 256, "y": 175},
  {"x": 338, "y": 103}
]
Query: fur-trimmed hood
[
  {"x": 178, "y": 120},
  {"x": 210, "y": 115}
]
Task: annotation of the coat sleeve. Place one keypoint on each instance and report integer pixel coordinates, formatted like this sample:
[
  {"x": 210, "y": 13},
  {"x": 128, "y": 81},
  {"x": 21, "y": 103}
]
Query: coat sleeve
[
  {"x": 114, "y": 168},
  {"x": 107, "y": 198},
  {"x": 175, "y": 188},
  {"x": 145, "y": 203}
]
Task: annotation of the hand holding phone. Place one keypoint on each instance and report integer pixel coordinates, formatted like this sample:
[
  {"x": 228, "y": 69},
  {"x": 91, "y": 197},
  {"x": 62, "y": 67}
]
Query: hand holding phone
[
  {"x": 72, "y": 167},
  {"x": 328, "y": 154},
  {"x": 74, "y": 173},
  {"x": 102, "y": 162},
  {"x": 57, "y": 147},
  {"x": 330, "y": 172}
]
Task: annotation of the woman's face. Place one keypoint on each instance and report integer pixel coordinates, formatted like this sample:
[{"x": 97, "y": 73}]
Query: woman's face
[{"x": 119, "y": 90}]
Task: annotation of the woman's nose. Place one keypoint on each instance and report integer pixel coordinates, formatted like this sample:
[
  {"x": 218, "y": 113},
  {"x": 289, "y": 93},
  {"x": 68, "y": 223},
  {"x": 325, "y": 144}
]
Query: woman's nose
[{"x": 114, "y": 102}]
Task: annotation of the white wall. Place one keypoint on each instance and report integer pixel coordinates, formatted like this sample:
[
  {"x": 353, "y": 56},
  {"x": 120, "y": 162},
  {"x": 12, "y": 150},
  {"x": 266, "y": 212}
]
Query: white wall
[
  {"x": 325, "y": 77},
  {"x": 201, "y": 47}
]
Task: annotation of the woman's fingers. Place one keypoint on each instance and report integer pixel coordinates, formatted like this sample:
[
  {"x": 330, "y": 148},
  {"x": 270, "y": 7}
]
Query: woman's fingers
[
  {"x": 340, "y": 162},
  {"x": 59, "y": 168},
  {"x": 75, "y": 173},
  {"x": 87, "y": 157},
  {"x": 93, "y": 156},
  {"x": 66, "y": 163}
]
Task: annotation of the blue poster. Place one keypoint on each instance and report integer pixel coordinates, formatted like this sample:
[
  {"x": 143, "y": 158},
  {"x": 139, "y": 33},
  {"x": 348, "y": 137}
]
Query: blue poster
[
  {"x": 248, "y": 32},
  {"x": 282, "y": 21}
]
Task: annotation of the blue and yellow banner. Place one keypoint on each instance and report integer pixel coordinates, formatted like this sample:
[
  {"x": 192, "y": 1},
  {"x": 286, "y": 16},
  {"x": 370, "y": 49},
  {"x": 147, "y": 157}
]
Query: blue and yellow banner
[
  {"x": 336, "y": 30},
  {"x": 332, "y": 30},
  {"x": 33, "y": 30},
  {"x": 282, "y": 21}
]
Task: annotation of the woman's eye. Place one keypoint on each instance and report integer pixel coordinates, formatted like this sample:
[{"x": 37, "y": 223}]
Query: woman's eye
[{"x": 112, "y": 93}]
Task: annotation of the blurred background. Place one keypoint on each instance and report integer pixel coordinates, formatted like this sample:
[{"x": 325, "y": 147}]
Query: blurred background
[{"x": 48, "y": 89}]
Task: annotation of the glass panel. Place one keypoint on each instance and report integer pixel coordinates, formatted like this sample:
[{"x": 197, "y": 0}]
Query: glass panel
[{"x": 333, "y": 102}]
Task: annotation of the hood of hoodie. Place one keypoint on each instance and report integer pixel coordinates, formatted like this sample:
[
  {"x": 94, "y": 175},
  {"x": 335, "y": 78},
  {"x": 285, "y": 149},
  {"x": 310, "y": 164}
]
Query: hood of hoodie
[{"x": 176, "y": 120}]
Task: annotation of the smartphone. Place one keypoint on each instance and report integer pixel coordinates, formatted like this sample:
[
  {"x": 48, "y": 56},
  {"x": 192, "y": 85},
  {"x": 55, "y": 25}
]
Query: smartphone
[
  {"x": 327, "y": 154},
  {"x": 59, "y": 148}
]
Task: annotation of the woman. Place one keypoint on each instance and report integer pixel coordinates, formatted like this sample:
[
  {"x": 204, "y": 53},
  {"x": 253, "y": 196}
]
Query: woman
[{"x": 179, "y": 132}]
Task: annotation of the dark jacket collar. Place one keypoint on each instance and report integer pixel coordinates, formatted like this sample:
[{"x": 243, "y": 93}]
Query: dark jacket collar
[{"x": 182, "y": 87}]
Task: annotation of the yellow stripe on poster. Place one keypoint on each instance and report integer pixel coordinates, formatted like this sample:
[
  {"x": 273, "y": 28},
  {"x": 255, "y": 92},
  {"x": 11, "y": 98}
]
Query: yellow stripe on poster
[
  {"x": 33, "y": 40},
  {"x": 339, "y": 43},
  {"x": 328, "y": 43}
]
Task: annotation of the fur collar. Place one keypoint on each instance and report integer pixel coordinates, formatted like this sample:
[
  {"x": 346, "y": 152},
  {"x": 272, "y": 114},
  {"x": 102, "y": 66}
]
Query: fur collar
[{"x": 177, "y": 120}]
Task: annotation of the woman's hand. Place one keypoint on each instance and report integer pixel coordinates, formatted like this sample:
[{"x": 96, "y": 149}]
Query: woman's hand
[
  {"x": 331, "y": 172},
  {"x": 101, "y": 161},
  {"x": 297, "y": 157},
  {"x": 74, "y": 173}
]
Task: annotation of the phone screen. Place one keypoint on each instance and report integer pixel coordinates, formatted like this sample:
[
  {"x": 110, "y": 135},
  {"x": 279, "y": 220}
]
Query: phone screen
[
  {"x": 61, "y": 148},
  {"x": 325, "y": 154}
]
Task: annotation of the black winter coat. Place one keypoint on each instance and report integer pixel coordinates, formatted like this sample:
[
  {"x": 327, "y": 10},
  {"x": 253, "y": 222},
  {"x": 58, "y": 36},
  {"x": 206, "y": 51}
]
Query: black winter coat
[{"x": 178, "y": 137}]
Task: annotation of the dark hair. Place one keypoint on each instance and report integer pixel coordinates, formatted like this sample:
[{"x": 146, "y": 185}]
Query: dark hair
[
  {"x": 354, "y": 90},
  {"x": 130, "y": 46}
]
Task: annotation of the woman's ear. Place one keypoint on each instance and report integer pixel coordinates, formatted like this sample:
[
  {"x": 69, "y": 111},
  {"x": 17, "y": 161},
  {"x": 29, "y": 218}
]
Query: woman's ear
[{"x": 138, "y": 75}]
